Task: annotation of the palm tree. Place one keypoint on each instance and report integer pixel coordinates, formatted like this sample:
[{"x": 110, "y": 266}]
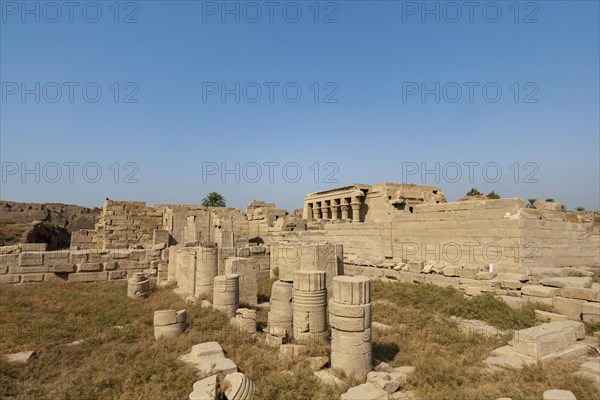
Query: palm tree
[
  {"x": 213, "y": 199},
  {"x": 580, "y": 209},
  {"x": 493, "y": 195},
  {"x": 531, "y": 201}
]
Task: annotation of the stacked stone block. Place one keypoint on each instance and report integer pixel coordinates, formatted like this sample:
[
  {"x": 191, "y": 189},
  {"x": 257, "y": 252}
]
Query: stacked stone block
[
  {"x": 138, "y": 286},
  {"x": 350, "y": 320},
  {"x": 310, "y": 305},
  {"x": 226, "y": 293}
]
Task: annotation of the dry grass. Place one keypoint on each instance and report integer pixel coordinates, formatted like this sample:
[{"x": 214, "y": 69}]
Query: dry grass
[
  {"x": 120, "y": 359},
  {"x": 11, "y": 232}
]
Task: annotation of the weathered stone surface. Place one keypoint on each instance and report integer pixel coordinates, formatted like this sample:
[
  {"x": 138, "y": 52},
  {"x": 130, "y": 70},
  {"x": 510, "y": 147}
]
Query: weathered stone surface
[
  {"x": 568, "y": 282},
  {"x": 384, "y": 381},
  {"x": 558, "y": 395},
  {"x": 572, "y": 308},
  {"x": 366, "y": 391},
  {"x": 317, "y": 363},
  {"x": 591, "y": 294},
  {"x": 549, "y": 317},
  {"x": 205, "y": 389},
  {"x": 540, "y": 291},
  {"x": 208, "y": 358},
  {"x": 20, "y": 358},
  {"x": 328, "y": 378},
  {"x": 138, "y": 286},
  {"x": 169, "y": 323}
]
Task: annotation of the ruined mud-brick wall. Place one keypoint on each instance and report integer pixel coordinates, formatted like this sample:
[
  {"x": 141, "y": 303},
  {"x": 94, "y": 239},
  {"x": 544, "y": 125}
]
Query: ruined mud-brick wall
[
  {"x": 470, "y": 233},
  {"x": 30, "y": 262}
]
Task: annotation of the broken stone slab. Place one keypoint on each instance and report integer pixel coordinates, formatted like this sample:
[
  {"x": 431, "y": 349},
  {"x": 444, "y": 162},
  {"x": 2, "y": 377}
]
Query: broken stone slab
[
  {"x": 237, "y": 386},
  {"x": 593, "y": 367},
  {"x": 327, "y": 377},
  {"x": 205, "y": 389},
  {"x": 384, "y": 381},
  {"x": 408, "y": 395},
  {"x": 209, "y": 358},
  {"x": 366, "y": 391},
  {"x": 21, "y": 358},
  {"x": 169, "y": 323},
  {"x": 540, "y": 291},
  {"x": 558, "y": 395},
  {"x": 569, "y": 282},
  {"x": 572, "y": 308},
  {"x": 401, "y": 374}
]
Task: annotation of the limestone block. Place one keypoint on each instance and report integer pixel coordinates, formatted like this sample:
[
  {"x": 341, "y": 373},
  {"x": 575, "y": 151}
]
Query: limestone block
[
  {"x": 383, "y": 380},
  {"x": 592, "y": 294},
  {"x": 237, "y": 386},
  {"x": 205, "y": 389},
  {"x": 89, "y": 267},
  {"x": 245, "y": 320},
  {"x": 33, "y": 246},
  {"x": 539, "y": 300},
  {"x": 20, "y": 358},
  {"x": 31, "y": 259},
  {"x": 351, "y": 352},
  {"x": 570, "y": 307},
  {"x": 558, "y": 395},
  {"x": 549, "y": 317},
  {"x": 547, "y": 338},
  {"x": 366, "y": 391},
  {"x": 209, "y": 358},
  {"x": 9, "y": 260},
  {"x": 113, "y": 275},
  {"x": 415, "y": 267},
  {"x": 590, "y": 311},
  {"x": 401, "y": 374},
  {"x": 326, "y": 377},
  {"x": 88, "y": 277},
  {"x": 592, "y": 367},
  {"x": 468, "y": 272},
  {"x": 110, "y": 266},
  {"x": 569, "y": 282},
  {"x": 451, "y": 271},
  {"x": 540, "y": 291},
  {"x": 28, "y": 278}
]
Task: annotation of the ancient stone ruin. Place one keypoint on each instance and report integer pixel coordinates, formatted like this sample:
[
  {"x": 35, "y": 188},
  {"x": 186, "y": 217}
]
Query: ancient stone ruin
[{"x": 324, "y": 258}]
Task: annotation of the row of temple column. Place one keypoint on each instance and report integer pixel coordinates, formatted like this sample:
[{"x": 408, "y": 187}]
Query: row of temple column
[{"x": 335, "y": 209}]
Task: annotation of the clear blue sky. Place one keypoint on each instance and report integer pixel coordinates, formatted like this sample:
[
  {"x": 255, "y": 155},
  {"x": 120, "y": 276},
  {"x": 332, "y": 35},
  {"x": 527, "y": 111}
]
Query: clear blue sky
[{"x": 375, "y": 61}]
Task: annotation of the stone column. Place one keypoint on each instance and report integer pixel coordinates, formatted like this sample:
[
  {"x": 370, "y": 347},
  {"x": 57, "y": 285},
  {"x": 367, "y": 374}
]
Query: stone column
[
  {"x": 207, "y": 267},
  {"x": 226, "y": 295},
  {"x": 308, "y": 211},
  {"x": 280, "y": 315},
  {"x": 350, "y": 319},
  {"x": 138, "y": 286},
  {"x": 310, "y": 305},
  {"x": 316, "y": 211},
  {"x": 334, "y": 210},
  {"x": 355, "y": 210},
  {"x": 345, "y": 207},
  {"x": 325, "y": 210}
]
